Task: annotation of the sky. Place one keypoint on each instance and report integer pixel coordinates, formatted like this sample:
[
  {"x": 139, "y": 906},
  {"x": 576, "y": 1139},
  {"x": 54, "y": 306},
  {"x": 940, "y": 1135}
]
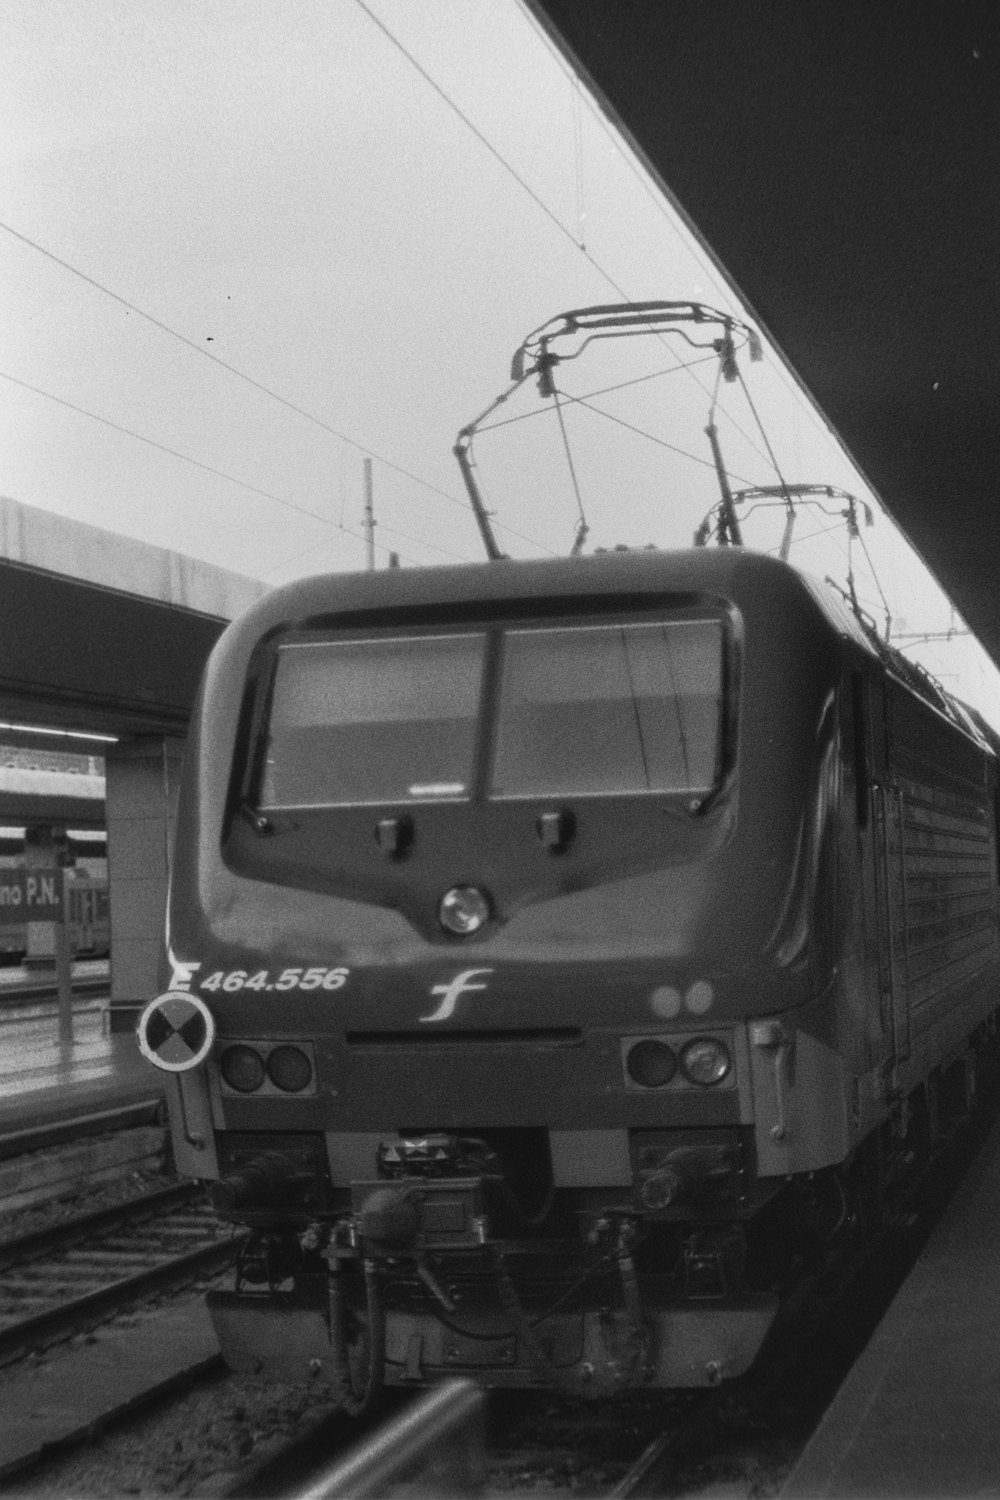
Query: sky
[{"x": 244, "y": 245}]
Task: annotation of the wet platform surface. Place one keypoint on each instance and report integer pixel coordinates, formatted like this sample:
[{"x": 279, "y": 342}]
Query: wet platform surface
[
  {"x": 919, "y": 1414},
  {"x": 42, "y": 1079}
]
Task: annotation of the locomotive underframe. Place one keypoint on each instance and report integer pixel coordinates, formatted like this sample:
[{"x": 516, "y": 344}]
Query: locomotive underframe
[
  {"x": 591, "y": 1350},
  {"x": 604, "y": 1295},
  {"x": 624, "y": 1303}
]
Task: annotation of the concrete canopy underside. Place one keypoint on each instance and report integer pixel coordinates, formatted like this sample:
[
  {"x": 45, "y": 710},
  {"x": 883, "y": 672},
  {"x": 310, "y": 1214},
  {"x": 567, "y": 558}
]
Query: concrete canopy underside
[
  {"x": 103, "y": 632},
  {"x": 842, "y": 162},
  {"x": 80, "y": 655}
]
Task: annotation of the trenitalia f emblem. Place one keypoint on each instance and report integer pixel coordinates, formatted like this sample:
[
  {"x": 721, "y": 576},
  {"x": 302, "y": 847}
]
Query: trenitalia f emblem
[{"x": 450, "y": 992}]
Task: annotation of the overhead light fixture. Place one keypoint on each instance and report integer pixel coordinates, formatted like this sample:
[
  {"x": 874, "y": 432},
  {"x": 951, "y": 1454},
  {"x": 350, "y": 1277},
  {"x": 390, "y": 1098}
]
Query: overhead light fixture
[{"x": 63, "y": 734}]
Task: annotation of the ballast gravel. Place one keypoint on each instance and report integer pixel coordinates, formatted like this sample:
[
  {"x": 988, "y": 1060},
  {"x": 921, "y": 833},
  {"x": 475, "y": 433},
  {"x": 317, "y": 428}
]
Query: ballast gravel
[{"x": 190, "y": 1444}]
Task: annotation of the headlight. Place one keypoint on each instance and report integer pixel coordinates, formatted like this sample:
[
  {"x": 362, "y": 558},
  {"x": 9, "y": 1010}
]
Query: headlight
[
  {"x": 242, "y": 1068},
  {"x": 705, "y": 1061},
  {"x": 651, "y": 1063},
  {"x": 289, "y": 1069},
  {"x": 463, "y": 910}
]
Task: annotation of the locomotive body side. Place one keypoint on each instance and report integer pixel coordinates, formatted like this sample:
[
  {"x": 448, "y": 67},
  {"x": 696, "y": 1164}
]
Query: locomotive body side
[{"x": 730, "y": 889}]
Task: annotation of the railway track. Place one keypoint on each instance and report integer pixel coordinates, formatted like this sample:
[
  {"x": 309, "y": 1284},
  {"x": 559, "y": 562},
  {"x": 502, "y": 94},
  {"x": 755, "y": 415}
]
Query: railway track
[
  {"x": 620, "y": 1447},
  {"x": 20, "y": 987},
  {"x": 743, "y": 1434},
  {"x": 71, "y": 1276},
  {"x": 435, "y": 1441},
  {"x": 677, "y": 1443}
]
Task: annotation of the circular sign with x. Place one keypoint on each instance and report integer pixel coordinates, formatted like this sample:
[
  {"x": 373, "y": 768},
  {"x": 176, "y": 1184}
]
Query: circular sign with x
[{"x": 176, "y": 1031}]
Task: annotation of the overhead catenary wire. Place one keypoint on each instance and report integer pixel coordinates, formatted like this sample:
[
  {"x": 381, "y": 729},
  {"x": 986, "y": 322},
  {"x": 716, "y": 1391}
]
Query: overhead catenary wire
[
  {"x": 645, "y": 181},
  {"x": 658, "y": 192},
  {"x": 498, "y": 156},
  {"x": 832, "y": 530},
  {"x": 606, "y": 390},
  {"x": 293, "y": 406},
  {"x": 250, "y": 380},
  {"x": 650, "y": 437},
  {"x": 581, "y": 207},
  {"x": 219, "y": 473},
  {"x": 343, "y": 437}
]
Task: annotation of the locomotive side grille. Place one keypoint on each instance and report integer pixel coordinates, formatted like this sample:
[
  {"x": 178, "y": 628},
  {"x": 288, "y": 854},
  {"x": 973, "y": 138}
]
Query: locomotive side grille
[
  {"x": 942, "y": 878},
  {"x": 538, "y": 1036}
]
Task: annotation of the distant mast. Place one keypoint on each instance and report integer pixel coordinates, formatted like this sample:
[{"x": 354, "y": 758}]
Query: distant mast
[{"x": 369, "y": 519}]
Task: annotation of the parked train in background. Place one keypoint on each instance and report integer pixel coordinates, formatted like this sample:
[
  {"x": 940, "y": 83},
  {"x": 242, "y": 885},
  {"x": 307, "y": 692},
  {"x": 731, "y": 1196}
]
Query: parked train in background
[
  {"x": 86, "y": 891},
  {"x": 562, "y": 953}
]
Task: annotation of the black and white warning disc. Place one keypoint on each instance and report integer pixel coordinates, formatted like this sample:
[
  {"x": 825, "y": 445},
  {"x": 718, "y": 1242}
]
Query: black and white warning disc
[{"x": 176, "y": 1031}]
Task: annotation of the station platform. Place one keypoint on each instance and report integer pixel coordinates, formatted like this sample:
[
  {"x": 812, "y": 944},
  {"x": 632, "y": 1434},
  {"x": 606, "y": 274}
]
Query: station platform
[
  {"x": 42, "y": 1082},
  {"x": 917, "y": 1416}
]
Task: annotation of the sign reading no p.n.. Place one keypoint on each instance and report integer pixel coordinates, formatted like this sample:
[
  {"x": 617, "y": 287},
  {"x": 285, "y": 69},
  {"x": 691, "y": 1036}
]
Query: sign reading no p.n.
[{"x": 30, "y": 896}]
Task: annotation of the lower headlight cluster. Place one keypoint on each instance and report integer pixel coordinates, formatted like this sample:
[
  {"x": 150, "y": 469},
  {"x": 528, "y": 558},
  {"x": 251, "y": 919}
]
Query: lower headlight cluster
[
  {"x": 242, "y": 1068},
  {"x": 705, "y": 1061},
  {"x": 246, "y": 1068},
  {"x": 652, "y": 1063}
]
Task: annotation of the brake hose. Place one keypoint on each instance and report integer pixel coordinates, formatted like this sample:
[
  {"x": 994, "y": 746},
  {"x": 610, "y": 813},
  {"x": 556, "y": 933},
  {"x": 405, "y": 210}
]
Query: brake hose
[{"x": 353, "y": 1402}]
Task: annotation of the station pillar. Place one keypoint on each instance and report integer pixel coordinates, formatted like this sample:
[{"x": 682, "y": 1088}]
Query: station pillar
[
  {"x": 47, "y": 938},
  {"x": 142, "y": 781}
]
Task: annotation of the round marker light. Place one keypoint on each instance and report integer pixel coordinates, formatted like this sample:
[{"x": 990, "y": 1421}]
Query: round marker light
[
  {"x": 705, "y": 1061},
  {"x": 463, "y": 910},
  {"x": 242, "y": 1068},
  {"x": 289, "y": 1069},
  {"x": 651, "y": 1064}
]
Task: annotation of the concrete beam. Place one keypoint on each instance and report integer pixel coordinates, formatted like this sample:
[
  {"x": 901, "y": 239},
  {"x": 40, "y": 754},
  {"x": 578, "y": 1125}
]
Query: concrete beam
[
  {"x": 51, "y": 543},
  {"x": 103, "y": 632}
]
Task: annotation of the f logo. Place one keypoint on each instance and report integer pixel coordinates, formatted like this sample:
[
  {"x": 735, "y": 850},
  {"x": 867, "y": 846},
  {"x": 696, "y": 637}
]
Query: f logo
[{"x": 460, "y": 985}]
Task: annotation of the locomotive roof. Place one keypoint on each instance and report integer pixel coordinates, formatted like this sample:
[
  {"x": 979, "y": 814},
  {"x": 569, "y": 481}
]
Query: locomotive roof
[
  {"x": 727, "y": 572},
  {"x": 633, "y": 578}
]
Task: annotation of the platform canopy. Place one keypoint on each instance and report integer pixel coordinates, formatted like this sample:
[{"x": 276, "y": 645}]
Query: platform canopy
[
  {"x": 34, "y": 796},
  {"x": 842, "y": 162},
  {"x": 102, "y": 632}
]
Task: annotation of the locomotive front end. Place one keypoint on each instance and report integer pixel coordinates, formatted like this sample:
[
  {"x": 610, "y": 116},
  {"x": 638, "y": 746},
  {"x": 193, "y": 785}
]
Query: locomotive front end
[{"x": 472, "y": 927}]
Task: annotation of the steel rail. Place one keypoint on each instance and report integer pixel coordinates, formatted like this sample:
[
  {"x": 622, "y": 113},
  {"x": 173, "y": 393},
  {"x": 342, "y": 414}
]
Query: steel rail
[
  {"x": 95, "y": 1307},
  {"x": 437, "y": 1441},
  {"x": 27, "y": 994},
  {"x": 650, "y": 1472},
  {"x": 69, "y": 1232},
  {"x": 71, "y": 1128}
]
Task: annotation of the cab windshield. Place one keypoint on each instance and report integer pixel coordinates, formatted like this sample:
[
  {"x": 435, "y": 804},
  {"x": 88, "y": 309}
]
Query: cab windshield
[
  {"x": 605, "y": 709},
  {"x": 577, "y": 710}
]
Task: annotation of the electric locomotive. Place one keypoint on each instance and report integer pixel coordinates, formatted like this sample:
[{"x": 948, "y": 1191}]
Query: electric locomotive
[{"x": 560, "y": 954}]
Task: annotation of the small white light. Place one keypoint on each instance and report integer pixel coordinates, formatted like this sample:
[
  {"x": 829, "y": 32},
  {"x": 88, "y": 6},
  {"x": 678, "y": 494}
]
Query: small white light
[
  {"x": 699, "y": 997},
  {"x": 665, "y": 1001},
  {"x": 463, "y": 910}
]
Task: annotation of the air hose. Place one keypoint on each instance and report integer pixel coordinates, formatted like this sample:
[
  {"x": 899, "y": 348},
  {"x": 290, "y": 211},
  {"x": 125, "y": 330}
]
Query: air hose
[
  {"x": 635, "y": 1363},
  {"x": 353, "y": 1401}
]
